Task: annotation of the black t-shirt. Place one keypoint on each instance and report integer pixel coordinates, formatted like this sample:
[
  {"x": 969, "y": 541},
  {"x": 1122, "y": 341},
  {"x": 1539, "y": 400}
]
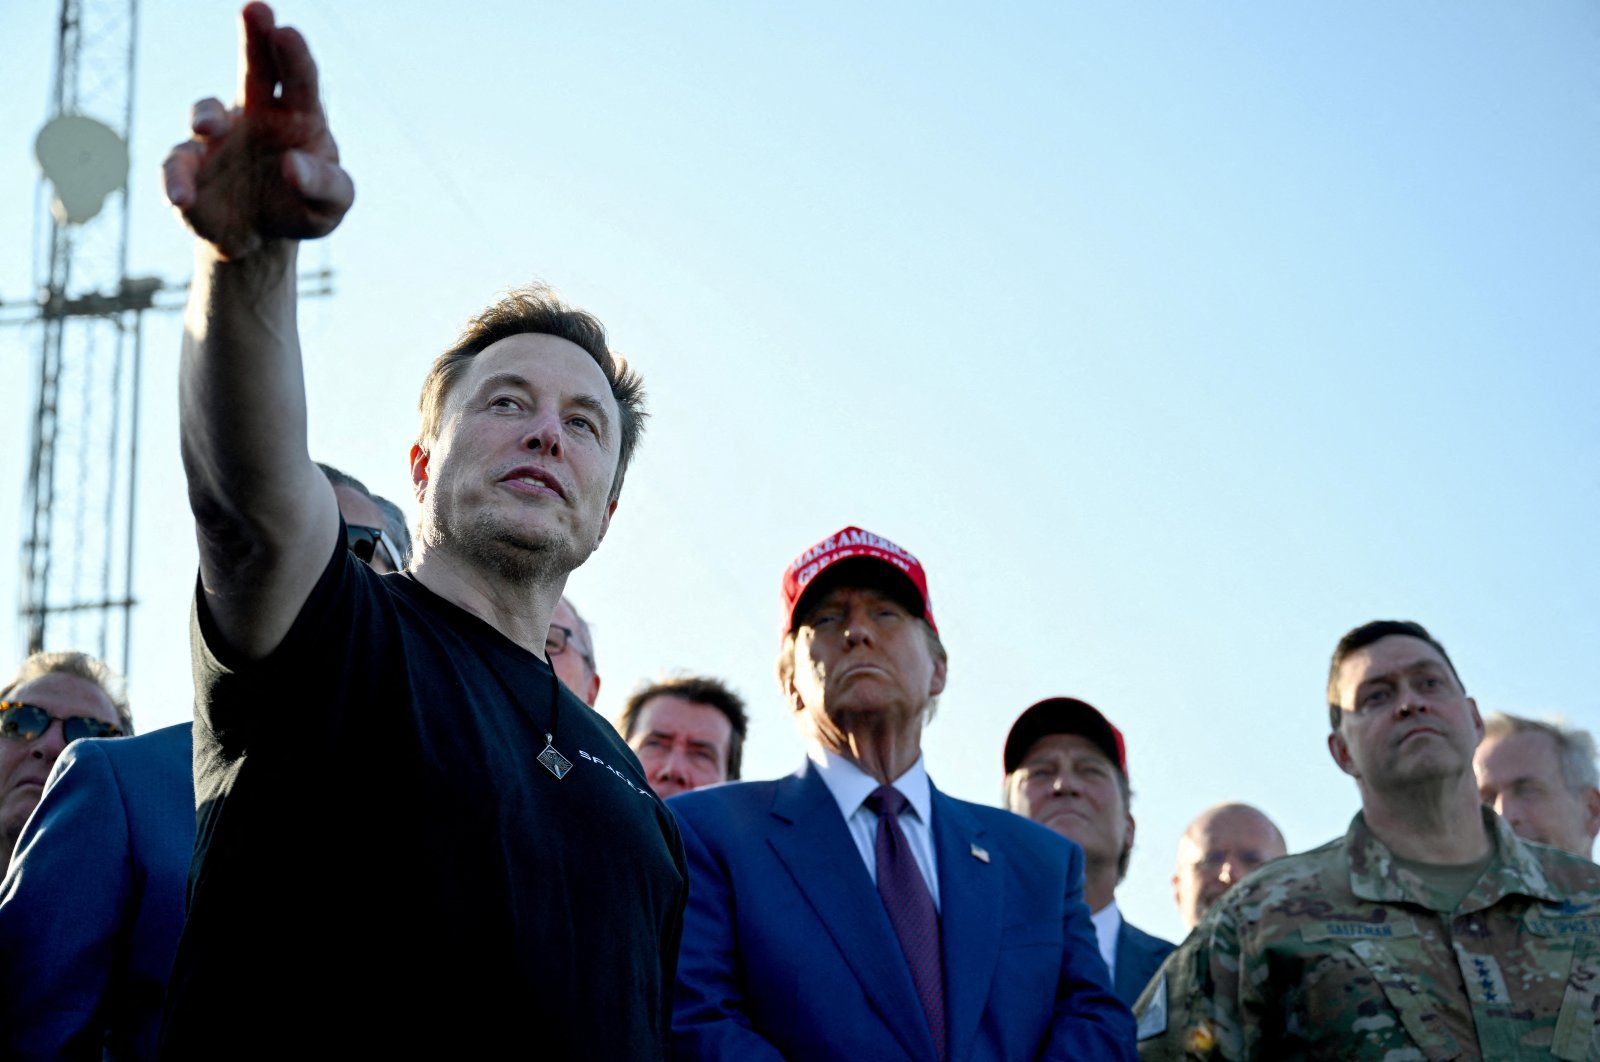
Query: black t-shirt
[{"x": 383, "y": 865}]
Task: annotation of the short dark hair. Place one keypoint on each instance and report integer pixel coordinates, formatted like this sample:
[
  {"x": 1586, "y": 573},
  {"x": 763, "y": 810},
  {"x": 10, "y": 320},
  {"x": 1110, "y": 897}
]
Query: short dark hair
[
  {"x": 537, "y": 310},
  {"x": 338, "y": 478},
  {"x": 1363, "y": 636},
  {"x": 700, "y": 689}
]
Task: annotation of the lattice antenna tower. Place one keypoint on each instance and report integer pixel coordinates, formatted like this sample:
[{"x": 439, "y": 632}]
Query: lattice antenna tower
[{"x": 78, "y": 505}]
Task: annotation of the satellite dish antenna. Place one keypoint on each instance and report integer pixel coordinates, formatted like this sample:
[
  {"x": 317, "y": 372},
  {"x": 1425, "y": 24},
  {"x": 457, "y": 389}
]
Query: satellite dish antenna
[{"x": 85, "y": 160}]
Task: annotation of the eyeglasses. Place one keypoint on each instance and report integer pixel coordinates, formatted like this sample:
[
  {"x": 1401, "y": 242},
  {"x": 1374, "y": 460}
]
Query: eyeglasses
[
  {"x": 1246, "y": 860},
  {"x": 555, "y": 643},
  {"x": 25, "y": 722},
  {"x": 364, "y": 541}
]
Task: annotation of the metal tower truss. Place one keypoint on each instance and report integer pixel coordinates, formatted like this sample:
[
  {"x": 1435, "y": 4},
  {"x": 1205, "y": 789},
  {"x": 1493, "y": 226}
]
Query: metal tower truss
[
  {"x": 78, "y": 520},
  {"x": 77, "y": 587}
]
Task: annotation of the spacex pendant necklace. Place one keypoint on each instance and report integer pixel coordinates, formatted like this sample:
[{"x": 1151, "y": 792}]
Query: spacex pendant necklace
[{"x": 553, "y": 761}]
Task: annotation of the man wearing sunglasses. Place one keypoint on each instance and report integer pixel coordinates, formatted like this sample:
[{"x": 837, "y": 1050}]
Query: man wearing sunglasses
[
  {"x": 92, "y": 905},
  {"x": 54, "y": 699},
  {"x": 413, "y": 841},
  {"x": 375, "y": 530}
]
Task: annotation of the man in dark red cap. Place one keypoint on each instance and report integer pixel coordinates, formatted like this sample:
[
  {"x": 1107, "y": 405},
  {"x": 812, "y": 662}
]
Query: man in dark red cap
[
  {"x": 852, "y": 910},
  {"x": 1067, "y": 768}
]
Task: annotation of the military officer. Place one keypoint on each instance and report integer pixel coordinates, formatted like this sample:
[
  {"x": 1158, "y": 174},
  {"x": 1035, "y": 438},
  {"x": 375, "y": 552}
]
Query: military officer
[{"x": 1429, "y": 931}]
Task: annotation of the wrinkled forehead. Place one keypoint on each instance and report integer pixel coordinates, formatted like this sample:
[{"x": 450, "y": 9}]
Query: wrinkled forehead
[
  {"x": 669, "y": 713},
  {"x": 1389, "y": 657},
  {"x": 566, "y": 616},
  {"x": 546, "y": 363},
  {"x": 1519, "y": 749},
  {"x": 62, "y": 694},
  {"x": 357, "y": 508},
  {"x": 1066, "y": 747},
  {"x": 1236, "y": 828}
]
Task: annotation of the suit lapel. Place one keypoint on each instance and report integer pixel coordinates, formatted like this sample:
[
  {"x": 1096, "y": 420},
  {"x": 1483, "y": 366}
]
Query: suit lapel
[
  {"x": 812, "y": 841},
  {"x": 970, "y": 895},
  {"x": 1129, "y": 962}
]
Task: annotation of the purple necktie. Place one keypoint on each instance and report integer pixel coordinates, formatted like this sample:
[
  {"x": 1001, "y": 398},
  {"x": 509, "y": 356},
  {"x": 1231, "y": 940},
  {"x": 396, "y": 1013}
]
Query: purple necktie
[{"x": 910, "y": 906}]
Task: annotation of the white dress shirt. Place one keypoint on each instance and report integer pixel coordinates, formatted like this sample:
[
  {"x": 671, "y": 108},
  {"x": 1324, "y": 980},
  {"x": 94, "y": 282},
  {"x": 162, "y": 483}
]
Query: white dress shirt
[
  {"x": 851, "y": 786},
  {"x": 1107, "y": 921}
]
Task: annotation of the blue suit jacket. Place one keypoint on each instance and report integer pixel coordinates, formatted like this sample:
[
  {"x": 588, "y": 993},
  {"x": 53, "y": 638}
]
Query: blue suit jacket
[
  {"x": 1139, "y": 956},
  {"x": 92, "y": 905},
  {"x": 788, "y": 953}
]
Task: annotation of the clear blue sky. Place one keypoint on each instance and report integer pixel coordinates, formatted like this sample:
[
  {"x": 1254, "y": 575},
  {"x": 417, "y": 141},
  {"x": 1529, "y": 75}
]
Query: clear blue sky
[{"x": 1176, "y": 339}]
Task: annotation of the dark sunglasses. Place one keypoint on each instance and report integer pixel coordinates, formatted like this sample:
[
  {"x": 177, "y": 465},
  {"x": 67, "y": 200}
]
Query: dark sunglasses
[
  {"x": 365, "y": 541},
  {"x": 27, "y": 721}
]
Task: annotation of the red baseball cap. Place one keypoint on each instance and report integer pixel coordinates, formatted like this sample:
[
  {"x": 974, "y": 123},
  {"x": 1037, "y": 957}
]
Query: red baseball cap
[
  {"x": 859, "y": 547},
  {"x": 1064, "y": 715}
]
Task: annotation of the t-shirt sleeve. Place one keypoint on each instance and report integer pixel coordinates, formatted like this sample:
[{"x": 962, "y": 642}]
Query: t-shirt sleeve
[{"x": 239, "y": 702}]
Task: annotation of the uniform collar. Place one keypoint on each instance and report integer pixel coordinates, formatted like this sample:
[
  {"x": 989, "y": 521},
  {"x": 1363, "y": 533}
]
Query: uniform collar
[
  {"x": 1512, "y": 870},
  {"x": 1515, "y": 870}
]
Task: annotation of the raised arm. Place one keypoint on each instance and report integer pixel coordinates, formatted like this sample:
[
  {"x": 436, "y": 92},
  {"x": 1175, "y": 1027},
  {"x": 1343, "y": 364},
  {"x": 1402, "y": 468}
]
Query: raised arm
[{"x": 251, "y": 182}]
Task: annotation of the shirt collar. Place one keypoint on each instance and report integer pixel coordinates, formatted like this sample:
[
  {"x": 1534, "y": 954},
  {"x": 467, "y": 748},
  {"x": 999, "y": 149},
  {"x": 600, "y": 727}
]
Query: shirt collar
[
  {"x": 850, "y": 785},
  {"x": 1107, "y": 921}
]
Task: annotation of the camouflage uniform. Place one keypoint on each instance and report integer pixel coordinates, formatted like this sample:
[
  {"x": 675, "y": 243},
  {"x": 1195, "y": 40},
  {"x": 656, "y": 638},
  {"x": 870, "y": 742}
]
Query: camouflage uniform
[{"x": 1339, "y": 953}]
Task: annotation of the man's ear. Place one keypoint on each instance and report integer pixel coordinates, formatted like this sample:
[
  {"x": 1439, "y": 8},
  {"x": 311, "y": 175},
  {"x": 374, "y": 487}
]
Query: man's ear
[
  {"x": 1341, "y": 754},
  {"x": 787, "y": 672},
  {"x": 419, "y": 470},
  {"x": 1590, "y": 799},
  {"x": 941, "y": 666}
]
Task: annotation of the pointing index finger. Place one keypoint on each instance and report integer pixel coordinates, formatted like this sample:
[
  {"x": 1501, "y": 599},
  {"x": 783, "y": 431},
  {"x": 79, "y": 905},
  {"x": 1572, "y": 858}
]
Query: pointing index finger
[{"x": 258, "y": 70}]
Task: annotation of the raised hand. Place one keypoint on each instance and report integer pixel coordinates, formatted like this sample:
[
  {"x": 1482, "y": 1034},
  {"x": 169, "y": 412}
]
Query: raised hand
[{"x": 266, "y": 168}]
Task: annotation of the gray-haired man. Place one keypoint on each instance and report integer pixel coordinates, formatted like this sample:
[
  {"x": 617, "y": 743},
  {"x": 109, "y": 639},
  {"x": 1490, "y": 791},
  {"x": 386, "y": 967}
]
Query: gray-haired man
[{"x": 1541, "y": 778}]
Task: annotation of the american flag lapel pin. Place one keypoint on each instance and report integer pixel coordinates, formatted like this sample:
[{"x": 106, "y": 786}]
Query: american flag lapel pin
[{"x": 980, "y": 854}]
